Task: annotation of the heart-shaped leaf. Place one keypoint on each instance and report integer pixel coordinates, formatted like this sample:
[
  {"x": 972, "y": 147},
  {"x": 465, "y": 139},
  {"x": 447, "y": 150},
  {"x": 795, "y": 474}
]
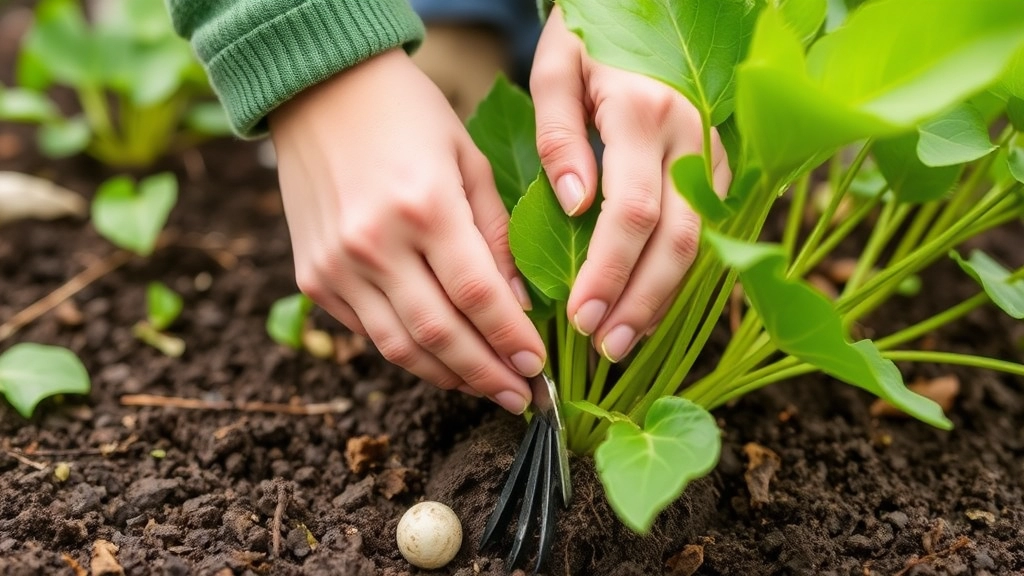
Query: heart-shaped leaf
[
  {"x": 645, "y": 470},
  {"x": 130, "y": 218},
  {"x": 549, "y": 247},
  {"x": 691, "y": 45},
  {"x": 804, "y": 324},
  {"x": 30, "y": 373},
  {"x": 995, "y": 279},
  {"x": 957, "y": 137},
  {"x": 287, "y": 319},
  {"x": 503, "y": 128},
  {"x": 163, "y": 305}
]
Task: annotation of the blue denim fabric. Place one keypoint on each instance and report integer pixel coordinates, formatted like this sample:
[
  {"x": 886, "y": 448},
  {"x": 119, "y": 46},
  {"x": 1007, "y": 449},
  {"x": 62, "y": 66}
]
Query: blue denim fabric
[{"x": 516, "y": 19}]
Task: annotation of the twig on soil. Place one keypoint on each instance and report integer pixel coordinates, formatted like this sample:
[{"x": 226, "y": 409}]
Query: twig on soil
[
  {"x": 24, "y": 460},
  {"x": 69, "y": 289},
  {"x": 338, "y": 406},
  {"x": 275, "y": 529},
  {"x": 961, "y": 543},
  {"x": 103, "y": 450}
]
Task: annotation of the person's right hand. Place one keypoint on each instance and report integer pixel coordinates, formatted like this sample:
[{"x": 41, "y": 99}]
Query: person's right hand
[{"x": 398, "y": 230}]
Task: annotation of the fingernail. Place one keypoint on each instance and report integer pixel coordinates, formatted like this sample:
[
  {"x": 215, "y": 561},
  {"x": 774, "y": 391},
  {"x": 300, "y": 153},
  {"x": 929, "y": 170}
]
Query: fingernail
[
  {"x": 589, "y": 316},
  {"x": 569, "y": 190},
  {"x": 465, "y": 389},
  {"x": 618, "y": 342},
  {"x": 519, "y": 289},
  {"x": 527, "y": 363},
  {"x": 511, "y": 401}
]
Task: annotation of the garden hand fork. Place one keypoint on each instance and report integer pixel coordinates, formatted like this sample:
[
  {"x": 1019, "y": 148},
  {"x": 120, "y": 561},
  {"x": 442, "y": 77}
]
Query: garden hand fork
[{"x": 545, "y": 450}]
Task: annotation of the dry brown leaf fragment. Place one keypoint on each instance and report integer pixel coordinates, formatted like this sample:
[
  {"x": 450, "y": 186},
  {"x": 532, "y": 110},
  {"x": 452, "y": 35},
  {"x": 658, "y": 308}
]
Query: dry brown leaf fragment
[
  {"x": 73, "y": 564},
  {"x": 943, "y": 390},
  {"x": 762, "y": 464},
  {"x": 687, "y": 561},
  {"x": 393, "y": 481},
  {"x": 104, "y": 560},
  {"x": 68, "y": 314},
  {"x": 983, "y": 516},
  {"x": 365, "y": 452},
  {"x": 23, "y": 196}
]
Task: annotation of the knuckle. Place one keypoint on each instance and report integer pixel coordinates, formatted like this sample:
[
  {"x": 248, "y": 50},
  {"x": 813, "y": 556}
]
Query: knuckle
[
  {"x": 480, "y": 373},
  {"x": 308, "y": 282},
  {"x": 646, "y": 304},
  {"x": 448, "y": 383},
  {"x": 397, "y": 350},
  {"x": 418, "y": 211},
  {"x": 502, "y": 334},
  {"x": 554, "y": 140},
  {"x": 474, "y": 294},
  {"x": 358, "y": 241},
  {"x": 685, "y": 240},
  {"x": 616, "y": 272},
  {"x": 431, "y": 332},
  {"x": 640, "y": 213}
]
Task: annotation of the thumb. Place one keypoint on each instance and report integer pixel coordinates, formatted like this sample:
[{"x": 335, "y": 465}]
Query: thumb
[{"x": 562, "y": 139}]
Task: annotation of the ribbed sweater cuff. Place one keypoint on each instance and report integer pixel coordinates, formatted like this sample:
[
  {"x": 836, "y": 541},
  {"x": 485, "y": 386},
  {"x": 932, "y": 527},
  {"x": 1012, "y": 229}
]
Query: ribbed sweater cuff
[{"x": 303, "y": 47}]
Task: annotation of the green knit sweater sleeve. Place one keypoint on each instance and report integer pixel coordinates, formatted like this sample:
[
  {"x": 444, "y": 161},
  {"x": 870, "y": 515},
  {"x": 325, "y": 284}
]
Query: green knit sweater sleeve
[{"x": 260, "y": 53}]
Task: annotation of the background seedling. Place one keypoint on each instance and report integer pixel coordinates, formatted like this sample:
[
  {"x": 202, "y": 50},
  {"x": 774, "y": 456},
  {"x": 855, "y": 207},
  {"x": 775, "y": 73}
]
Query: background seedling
[
  {"x": 163, "y": 306},
  {"x": 901, "y": 129},
  {"x": 30, "y": 373},
  {"x": 139, "y": 88}
]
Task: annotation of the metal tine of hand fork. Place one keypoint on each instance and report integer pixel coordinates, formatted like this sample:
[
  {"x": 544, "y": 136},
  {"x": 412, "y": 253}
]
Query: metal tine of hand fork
[
  {"x": 513, "y": 489},
  {"x": 541, "y": 456},
  {"x": 543, "y": 448}
]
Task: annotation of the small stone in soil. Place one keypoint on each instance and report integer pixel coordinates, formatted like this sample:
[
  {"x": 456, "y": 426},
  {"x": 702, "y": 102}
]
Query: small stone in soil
[{"x": 687, "y": 561}]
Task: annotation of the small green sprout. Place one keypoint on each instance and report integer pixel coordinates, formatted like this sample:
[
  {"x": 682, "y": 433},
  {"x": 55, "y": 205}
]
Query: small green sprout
[
  {"x": 62, "y": 471},
  {"x": 287, "y": 320},
  {"x": 903, "y": 129},
  {"x": 30, "y": 373},
  {"x": 163, "y": 306},
  {"x": 140, "y": 90}
]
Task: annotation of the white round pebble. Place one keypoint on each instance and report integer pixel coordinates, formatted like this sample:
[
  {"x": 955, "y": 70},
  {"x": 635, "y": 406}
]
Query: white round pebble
[{"x": 429, "y": 535}]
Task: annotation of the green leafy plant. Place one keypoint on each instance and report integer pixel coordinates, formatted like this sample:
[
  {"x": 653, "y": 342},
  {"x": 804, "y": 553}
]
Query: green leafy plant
[
  {"x": 131, "y": 216},
  {"x": 139, "y": 87},
  {"x": 163, "y": 306},
  {"x": 895, "y": 98},
  {"x": 30, "y": 373}
]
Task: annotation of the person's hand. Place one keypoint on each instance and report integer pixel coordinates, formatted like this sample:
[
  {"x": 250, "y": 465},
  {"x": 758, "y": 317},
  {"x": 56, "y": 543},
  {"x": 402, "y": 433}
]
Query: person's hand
[
  {"x": 646, "y": 236},
  {"x": 398, "y": 230}
]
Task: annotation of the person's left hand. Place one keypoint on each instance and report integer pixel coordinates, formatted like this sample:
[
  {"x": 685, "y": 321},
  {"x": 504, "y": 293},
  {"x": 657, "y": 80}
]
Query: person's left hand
[{"x": 646, "y": 235}]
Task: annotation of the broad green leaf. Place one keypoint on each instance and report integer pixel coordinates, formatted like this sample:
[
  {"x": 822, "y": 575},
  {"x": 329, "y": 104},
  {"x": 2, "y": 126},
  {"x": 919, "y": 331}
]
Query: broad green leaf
[
  {"x": 691, "y": 45},
  {"x": 20, "y": 105},
  {"x": 691, "y": 180},
  {"x": 957, "y": 137},
  {"x": 503, "y": 128},
  {"x": 804, "y": 324},
  {"x": 549, "y": 247},
  {"x": 908, "y": 177},
  {"x": 905, "y": 60},
  {"x": 995, "y": 279},
  {"x": 785, "y": 119},
  {"x": 61, "y": 41},
  {"x": 163, "y": 305},
  {"x": 1013, "y": 78},
  {"x": 287, "y": 319},
  {"x": 645, "y": 470},
  {"x": 64, "y": 138},
  {"x": 30, "y": 373},
  {"x": 1015, "y": 162},
  {"x": 803, "y": 17},
  {"x": 208, "y": 119},
  {"x": 1015, "y": 110},
  {"x": 892, "y": 65},
  {"x": 133, "y": 218},
  {"x": 836, "y": 14}
]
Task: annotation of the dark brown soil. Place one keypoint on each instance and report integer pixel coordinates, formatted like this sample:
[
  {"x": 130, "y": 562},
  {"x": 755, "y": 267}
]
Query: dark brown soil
[{"x": 251, "y": 493}]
